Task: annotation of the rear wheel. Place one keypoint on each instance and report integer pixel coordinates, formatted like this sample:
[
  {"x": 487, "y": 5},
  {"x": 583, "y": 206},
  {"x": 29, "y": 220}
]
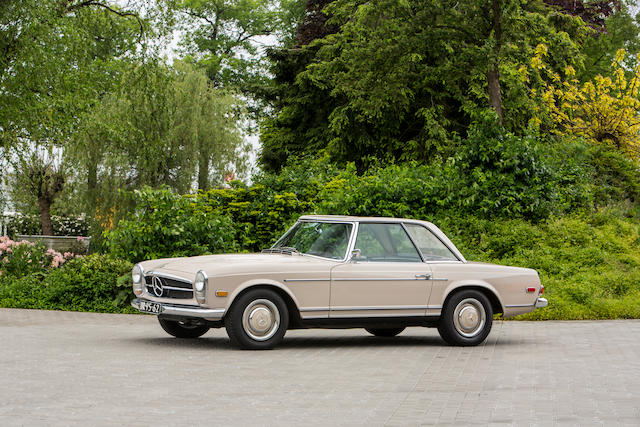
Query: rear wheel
[
  {"x": 385, "y": 332},
  {"x": 257, "y": 320},
  {"x": 466, "y": 319},
  {"x": 181, "y": 329}
]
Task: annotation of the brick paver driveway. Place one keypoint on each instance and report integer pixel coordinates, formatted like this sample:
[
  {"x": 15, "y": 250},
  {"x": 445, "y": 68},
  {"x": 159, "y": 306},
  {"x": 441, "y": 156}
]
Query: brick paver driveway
[{"x": 60, "y": 368}]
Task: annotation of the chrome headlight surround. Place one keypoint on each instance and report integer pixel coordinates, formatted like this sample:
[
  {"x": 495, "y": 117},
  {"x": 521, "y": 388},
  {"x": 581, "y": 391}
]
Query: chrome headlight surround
[
  {"x": 200, "y": 286},
  {"x": 137, "y": 275}
]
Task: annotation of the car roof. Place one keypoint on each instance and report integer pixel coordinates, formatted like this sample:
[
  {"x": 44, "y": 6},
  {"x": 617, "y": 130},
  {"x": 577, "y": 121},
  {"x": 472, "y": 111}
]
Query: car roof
[
  {"x": 357, "y": 218},
  {"x": 434, "y": 229}
]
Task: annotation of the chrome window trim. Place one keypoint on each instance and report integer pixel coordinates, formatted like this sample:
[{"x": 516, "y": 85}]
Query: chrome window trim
[
  {"x": 439, "y": 239},
  {"x": 406, "y": 231}
]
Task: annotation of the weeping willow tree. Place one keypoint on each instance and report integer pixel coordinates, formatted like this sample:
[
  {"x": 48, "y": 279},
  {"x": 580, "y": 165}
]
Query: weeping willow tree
[{"x": 163, "y": 127}]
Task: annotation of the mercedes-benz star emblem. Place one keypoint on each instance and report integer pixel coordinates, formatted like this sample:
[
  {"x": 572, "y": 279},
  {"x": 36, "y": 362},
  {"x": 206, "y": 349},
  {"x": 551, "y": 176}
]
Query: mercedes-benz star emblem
[{"x": 156, "y": 283}]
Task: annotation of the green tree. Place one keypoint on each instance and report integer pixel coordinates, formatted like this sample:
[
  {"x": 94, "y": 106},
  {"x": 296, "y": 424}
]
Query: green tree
[
  {"x": 404, "y": 78},
  {"x": 56, "y": 59},
  {"x": 164, "y": 126},
  {"x": 221, "y": 36}
]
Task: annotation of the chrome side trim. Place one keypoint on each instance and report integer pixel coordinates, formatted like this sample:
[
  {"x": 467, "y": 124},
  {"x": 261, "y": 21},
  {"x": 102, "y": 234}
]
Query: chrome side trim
[
  {"x": 541, "y": 302},
  {"x": 347, "y": 316},
  {"x": 203, "y": 313},
  {"x": 307, "y": 309},
  {"x": 519, "y": 305},
  {"x": 306, "y": 280},
  {"x": 386, "y": 307},
  {"x": 439, "y": 279},
  {"x": 379, "y": 279}
]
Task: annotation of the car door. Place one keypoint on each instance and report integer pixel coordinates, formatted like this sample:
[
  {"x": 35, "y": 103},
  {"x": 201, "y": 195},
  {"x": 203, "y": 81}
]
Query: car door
[
  {"x": 389, "y": 278},
  {"x": 445, "y": 265}
]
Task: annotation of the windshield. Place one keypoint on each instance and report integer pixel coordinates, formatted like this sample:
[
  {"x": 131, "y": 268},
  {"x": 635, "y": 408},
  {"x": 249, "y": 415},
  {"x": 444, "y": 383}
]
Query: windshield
[{"x": 324, "y": 239}]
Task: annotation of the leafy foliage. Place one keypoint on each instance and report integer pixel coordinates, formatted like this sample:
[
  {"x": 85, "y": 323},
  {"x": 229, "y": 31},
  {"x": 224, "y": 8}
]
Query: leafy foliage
[
  {"x": 92, "y": 283},
  {"x": 165, "y": 225},
  {"x": 30, "y": 224},
  {"x": 18, "y": 259},
  {"x": 604, "y": 111},
  {"x": 401, "y": 81},
  {"x": 588, "y": 264}
]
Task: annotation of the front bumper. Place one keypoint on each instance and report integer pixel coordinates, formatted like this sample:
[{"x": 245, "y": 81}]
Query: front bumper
[
  {"x": 541, "y": 302},
  {"x": 186, "y": 311}
]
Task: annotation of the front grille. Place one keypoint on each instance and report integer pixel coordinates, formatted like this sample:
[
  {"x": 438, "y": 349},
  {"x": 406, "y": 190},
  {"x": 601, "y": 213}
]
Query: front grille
[{"x": 171, "y": 288}]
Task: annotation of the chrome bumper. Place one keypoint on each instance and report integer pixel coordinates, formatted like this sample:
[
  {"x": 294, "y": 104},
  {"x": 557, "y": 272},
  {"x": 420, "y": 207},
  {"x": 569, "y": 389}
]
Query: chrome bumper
[
  {"x": 175, "y": 310},
  {"x": 541, "y": 302}
]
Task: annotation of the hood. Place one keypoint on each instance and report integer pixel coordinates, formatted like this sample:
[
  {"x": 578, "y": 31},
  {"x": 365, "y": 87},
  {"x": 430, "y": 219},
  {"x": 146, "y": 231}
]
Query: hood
[{"x": 215, "y": 265}]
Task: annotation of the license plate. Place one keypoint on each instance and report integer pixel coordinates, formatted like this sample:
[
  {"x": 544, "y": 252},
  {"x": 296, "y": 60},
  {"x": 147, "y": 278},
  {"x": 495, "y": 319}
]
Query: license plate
[{"x": 150, "y": 307}]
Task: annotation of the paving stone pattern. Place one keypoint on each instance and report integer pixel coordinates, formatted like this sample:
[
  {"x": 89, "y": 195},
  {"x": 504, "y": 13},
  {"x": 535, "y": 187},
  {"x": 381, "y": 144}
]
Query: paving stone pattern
[{"x": 62, "y": 368}]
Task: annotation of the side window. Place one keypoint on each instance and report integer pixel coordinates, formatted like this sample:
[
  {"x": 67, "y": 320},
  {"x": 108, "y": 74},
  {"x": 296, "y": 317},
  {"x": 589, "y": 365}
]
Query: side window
[
  {"x": 431, "y": 247},
  {"x": 385, "y": 243}
]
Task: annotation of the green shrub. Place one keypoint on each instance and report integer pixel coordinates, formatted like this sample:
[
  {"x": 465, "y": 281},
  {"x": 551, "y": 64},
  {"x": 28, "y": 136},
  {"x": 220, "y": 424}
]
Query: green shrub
[
  {"x": 168, "y": 225},
  {"x": 93, "y": 283},
  {"x": 19, "y": 259},
  {"x": 589, "y": 264}
]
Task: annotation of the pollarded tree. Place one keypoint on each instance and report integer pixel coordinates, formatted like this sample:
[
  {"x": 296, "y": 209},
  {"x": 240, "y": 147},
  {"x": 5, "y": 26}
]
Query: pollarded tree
[{"x": 56, "y": 59}]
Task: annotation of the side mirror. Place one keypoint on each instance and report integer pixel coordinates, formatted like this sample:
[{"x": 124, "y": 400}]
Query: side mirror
[{"x": 355, "y": 255}]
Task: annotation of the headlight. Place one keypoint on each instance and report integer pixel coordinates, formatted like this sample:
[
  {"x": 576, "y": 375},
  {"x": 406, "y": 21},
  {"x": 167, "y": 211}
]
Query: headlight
[
  {"x": 200, "y": 286},
  {"x": 137, "y": 274}
]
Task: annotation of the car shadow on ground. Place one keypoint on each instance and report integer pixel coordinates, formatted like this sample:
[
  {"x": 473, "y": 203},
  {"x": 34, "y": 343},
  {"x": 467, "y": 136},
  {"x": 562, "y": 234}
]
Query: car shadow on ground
[{"x": 221, "y": 341}]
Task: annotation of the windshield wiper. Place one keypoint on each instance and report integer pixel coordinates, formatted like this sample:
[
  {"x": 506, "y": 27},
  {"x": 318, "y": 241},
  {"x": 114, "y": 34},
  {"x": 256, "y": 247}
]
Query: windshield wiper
[{"x": 281, "y": 250}]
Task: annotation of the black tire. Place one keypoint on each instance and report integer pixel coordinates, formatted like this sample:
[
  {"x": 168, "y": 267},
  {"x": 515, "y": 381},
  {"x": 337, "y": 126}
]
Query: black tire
[
  {"x": 466, "y": 318},
  {"x": 257, "y": 320},
  {"x": 385, "y": 332},
  {"x": 182, "y": 329}
]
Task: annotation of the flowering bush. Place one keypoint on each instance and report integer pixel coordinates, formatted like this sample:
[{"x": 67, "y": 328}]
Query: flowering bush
[
  {"x": 30, "y": 224},
  {"x": 22, "y": 258}
]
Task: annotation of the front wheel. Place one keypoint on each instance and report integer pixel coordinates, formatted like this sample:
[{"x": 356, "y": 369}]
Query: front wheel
[
  {"x": 257, "y": 320},
  {"x": 384, "y": 332},
  {"x": 182, "y": 329},
  {"x": 466, "y": 319}
]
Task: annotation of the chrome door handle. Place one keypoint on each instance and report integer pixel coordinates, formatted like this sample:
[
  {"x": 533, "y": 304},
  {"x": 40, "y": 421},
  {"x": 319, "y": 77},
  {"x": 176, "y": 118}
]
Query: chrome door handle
[{"x": 423, "y": 276}]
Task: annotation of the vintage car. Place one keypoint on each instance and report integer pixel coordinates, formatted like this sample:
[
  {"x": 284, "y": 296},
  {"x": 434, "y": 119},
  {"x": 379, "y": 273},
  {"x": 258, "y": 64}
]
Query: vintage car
[{"x": 381, "y": 274}]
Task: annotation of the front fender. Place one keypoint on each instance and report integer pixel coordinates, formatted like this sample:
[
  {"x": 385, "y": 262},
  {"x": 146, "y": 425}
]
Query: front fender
[{"x": 259, "y": 282}]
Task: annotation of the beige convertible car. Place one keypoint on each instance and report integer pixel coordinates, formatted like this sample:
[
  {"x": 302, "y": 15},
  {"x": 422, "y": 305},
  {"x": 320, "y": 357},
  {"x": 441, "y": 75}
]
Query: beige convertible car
[{"x": 381, "y": 274}]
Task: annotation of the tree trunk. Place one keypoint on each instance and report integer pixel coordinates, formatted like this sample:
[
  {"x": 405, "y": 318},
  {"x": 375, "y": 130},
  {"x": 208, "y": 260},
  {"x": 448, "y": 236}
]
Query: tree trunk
[
  {"x": 92, "y": 184},
  {"x": 203, "y": 171},
  {"x": 495, "y": 98},
  {"x": 45, "y": 216},
  {"x": 493, "y": 75}
]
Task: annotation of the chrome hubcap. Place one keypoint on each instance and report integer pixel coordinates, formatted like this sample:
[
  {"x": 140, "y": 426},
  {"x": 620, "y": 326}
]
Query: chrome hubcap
[
  {"x": 261, "y": 319},
  {"x": 469, "y": 317}
]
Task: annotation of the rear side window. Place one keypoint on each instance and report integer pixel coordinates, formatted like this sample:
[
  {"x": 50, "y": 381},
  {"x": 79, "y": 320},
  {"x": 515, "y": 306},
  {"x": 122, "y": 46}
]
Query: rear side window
[
  {"x": 385, "y": 243},
  {"x": 431, "y": 247}
]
